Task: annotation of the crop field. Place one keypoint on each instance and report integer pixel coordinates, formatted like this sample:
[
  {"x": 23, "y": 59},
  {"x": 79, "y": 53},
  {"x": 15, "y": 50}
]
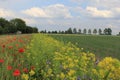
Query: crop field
[
  {"x": 41, "y": 57},
  {"x": 101, "y": 46}
]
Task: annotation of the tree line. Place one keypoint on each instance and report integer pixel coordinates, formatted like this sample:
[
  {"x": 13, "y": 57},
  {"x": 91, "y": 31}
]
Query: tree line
[
  {"x": 106, "y": 31},
  {"x": 14, "y": 25}
]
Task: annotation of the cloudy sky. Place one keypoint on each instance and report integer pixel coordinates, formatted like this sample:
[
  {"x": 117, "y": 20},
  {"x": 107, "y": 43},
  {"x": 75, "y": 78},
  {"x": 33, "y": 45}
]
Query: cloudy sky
[{"x": 62, "y": 14}]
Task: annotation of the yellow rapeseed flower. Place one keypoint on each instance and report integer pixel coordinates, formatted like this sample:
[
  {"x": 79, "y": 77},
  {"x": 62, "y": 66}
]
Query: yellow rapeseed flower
[
  {"x": 25, "y": 76},
  {"x": 62, "y": 76},
  {"x": 71, "y": 72},
  {"x": 49, "y": 71},
  {"x": 32, "y": 72}
]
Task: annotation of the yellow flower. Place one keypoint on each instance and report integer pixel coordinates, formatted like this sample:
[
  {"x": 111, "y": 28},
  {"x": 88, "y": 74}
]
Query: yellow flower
[
  {"x": 62, "y": 76},
  {"x": 71, "y": 65},
  {"x": 76, "y": 61},
  {"x": 32, "y": 72},
  {"x": 94, "y": 71},
  {"x": 71, "y": 72},
  {"x": 49, "y": 71},
  {"x": 25, "y": 76}
]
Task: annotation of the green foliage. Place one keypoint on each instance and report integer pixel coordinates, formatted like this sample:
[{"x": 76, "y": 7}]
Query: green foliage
[
  {"x": 74, "y": 31},
  {"x": 57, "y": 61},
  {"x": 69, "y": 31},
  {"x": 107, "y": 31},
  {"x": 15, "y": 25},
  {"x": 100, "y": 32},
  {"x": 84, "y": 31},
  {"x": 79, "y": 31},
  {"x": 89, "y": 31},
  {"x": 29, "y": 29},
  {"x": 19, "y": 23},
  {"x": 95, "y": 31},
  {"x": 1, "y": 30},
  {"x": 41, "y": 57}
]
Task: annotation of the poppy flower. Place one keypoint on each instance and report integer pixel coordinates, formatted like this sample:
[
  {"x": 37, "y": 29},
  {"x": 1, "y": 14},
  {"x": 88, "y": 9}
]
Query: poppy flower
[
  {"x": 25, "y": 70},
  {"x": 17, "y": 45},
  {"x": 16, "y": 72},
  {"x": 1, "y": 61},
  {"x": 10, "y": 47},
  {"x": 3, "y": 46},
  {"x": 32, "y": 67},
  {"x": 21, "y": 50},
  {"x": 19, "y": 65},
  {"x": 9, "y": 67}
]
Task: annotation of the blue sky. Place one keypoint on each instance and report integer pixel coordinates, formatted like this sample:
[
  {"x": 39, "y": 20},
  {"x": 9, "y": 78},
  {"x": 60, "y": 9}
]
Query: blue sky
[{"x": 62, "y": 14}]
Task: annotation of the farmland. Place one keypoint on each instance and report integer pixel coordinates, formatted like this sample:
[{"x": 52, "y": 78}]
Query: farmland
[
  {"x": 101, "y": 46},
  {"x": 41, "y": 57}
]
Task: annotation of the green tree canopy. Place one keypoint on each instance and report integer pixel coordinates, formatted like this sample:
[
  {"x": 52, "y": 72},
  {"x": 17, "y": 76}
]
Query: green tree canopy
[
  {"x": 95, "y": 31},
  {"x": 79, "y": 31},
  {"x": 107, "y": 31},
  {"x": 20, "y": 24},
  {"x": 74, "y": 30},
  {"x": 89, "y": 31},
  {"x": 100, "y": 31},
  {"x": 84, "y": 31}
]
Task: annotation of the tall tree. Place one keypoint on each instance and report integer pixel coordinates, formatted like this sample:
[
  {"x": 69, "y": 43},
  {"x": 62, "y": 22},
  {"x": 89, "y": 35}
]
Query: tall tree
[
  {"x": 84, "y": 31},
  {"x": 20, "y": 24},
  {"x": 105, "y": 31},
  {"x": 100, "y": 31},
  {"x": 5, "y": 25},
  {"x": 89, "y": 31},
  {"x": 1, "y": 30},
  {"x": 69, "y": 31},
  {"x": 35, "y": 30},
  {"x": 109, "y": 31},
  {"x": 12, "y": 28},
  {"x": 74, "y": 31},
  {"x": 79, "y": 31},
  {"x": 29, "y": 29},
  {"x": 15, "y": 25},
  {"x": 95, "y": 31}
]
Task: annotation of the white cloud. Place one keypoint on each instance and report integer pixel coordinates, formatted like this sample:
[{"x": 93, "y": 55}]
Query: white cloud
[
  {"x": 100, "y": 8},
  {"x": 58, "y": 10},
  {"x": 29, "y": 21},
  {"x": 6, "y": 13},
  {"x": 35, "y": 12},
  {"x": 52, "y": 11},
  {"x": 99, "y": 13}
]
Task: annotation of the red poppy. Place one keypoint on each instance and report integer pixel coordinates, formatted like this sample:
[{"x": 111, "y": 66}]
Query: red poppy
[
  {"x": 10, "y": 47},
  {"x": 3, "y": 46},
  {"x": 14, "y": 38},
  {"x": 32, "y": 67},
  {"x": 25, "y": 70},
  {"x": 21, "y": 50},
  {"x": 17, "y": 45},
  {"x": 1, "y": 61},
  {"x": 20, "y": 40},
  {"x": 16, "y": 72},
  {"x": 9, "y": 67}
]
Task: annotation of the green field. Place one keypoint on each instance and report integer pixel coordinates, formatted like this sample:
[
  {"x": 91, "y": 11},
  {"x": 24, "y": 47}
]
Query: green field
[
  {"x": 41, "y": 57},
  {"x": 102, "y": 46}
]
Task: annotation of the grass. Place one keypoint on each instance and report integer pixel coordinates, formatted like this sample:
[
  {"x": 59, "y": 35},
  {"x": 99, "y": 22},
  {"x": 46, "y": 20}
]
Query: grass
[{"x": 102, "y": 46}]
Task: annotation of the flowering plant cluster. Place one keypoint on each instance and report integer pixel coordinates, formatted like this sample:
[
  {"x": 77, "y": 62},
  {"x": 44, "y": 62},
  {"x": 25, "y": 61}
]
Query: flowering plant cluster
[{"x": 40, "y": 57}]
